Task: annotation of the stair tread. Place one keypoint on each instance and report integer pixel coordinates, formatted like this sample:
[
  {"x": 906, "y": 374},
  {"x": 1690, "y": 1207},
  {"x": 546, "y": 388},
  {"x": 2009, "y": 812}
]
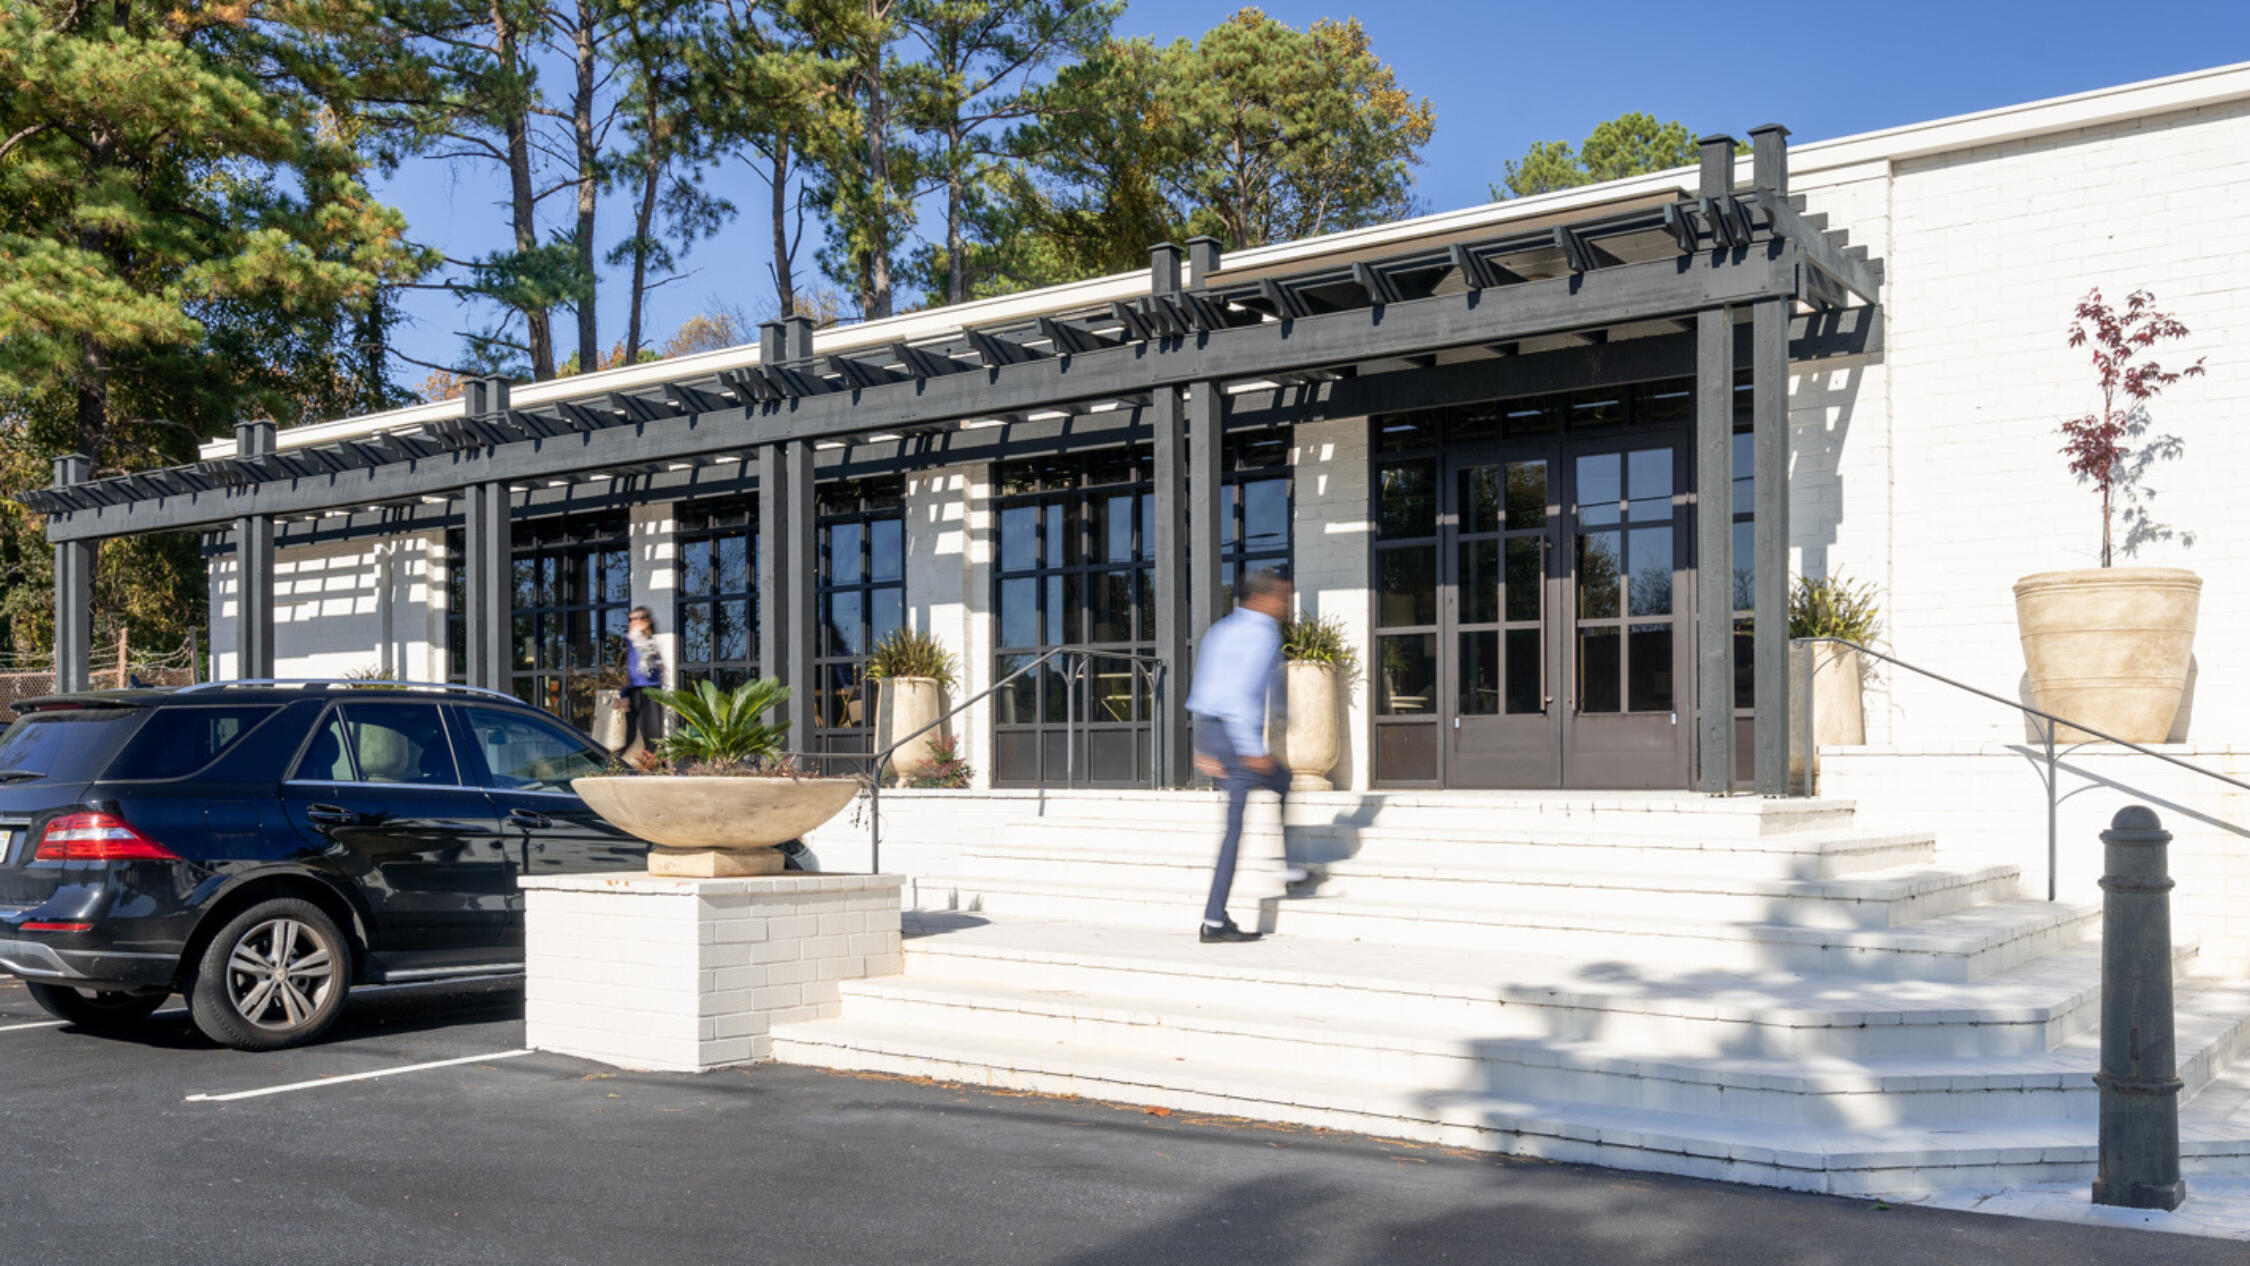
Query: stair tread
[
  {"x": 1889, "y": 883},
  {"x": 2207, "y": 1016},
  {"x": 1959, "y": 931},
  {"x": 2036, "y": 992},
  {"x": 1806, "y": 1147},
  {"x": 1482, "y": 833}
]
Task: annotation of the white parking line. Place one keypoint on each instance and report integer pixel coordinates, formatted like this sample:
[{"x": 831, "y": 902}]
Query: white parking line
[
  {"x": 338, "y": 1081},
  {"x": 43, "y": 1024}
]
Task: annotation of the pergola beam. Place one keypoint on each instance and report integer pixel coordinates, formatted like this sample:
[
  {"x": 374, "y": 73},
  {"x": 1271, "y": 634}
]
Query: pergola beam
[{"x": 1609, "y": 295}]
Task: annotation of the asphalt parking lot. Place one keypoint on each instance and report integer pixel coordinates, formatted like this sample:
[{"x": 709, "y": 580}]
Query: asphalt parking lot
[{"x": 420, "y": 1133}]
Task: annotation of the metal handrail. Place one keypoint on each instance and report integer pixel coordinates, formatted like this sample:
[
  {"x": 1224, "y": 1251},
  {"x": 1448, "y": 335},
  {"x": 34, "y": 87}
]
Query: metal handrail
[
  {"x": 1154, "y": 666},
  {"x": 348, "y": 683},
  {"x": 2052, "y": 722}
]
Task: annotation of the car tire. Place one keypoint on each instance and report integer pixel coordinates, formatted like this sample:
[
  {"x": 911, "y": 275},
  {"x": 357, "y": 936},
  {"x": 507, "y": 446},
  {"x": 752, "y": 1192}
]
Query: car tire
[
  {"x": 274, "y": 976},
  {"x": 96, "y": 1010}
]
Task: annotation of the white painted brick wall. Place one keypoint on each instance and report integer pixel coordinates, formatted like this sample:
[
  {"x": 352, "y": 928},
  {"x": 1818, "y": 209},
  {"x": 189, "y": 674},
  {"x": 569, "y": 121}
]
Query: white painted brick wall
[
  {"x": 1332, "y": 534},
  {"x": 1986, "y": 251},
  {"x": 344, "y": 608},
  {"x": 1988, "y": 805},
  {"x": 686, "y": 975}
]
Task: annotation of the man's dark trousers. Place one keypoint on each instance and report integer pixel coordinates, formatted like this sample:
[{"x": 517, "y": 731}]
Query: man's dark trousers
[{"x": 1240, "y": 780}]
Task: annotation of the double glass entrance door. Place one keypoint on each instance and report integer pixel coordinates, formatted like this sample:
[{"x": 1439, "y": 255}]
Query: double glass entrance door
[{"x": 1565, "y": 650}]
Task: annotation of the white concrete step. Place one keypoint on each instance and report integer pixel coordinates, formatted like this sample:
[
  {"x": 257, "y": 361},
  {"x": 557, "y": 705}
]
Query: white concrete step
[
  {"x": 1886, "y": 898},
  {"x": 1868, "y": 1161},
  {"x": 1797, "y": 855},
  {"x": 1963, "y": 945},
  {"x": 1658, "y": 1006},
  {"x": 1455, "y": 1058},
  {"x": 1610, "y": 815}
]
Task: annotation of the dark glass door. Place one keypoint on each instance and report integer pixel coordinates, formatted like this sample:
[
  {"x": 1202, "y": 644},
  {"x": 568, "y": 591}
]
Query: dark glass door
[
  {"x": 1503, "y": 590},
  {"x": 1628, "y": 651},
  {"x": 1564, "y": 651}
]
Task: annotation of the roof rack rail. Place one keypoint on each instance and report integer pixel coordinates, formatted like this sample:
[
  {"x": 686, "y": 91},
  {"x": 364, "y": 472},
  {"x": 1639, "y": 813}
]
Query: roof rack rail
[{"x": 350, "y": 683}]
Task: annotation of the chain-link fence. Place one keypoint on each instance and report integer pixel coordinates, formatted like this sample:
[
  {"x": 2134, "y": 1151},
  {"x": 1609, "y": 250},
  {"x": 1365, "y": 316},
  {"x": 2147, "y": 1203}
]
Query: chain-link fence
[{"x": 31, "y": 676}]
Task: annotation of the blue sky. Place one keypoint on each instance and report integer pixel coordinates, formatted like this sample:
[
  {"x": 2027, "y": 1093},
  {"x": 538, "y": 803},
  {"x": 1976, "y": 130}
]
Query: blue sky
[{"x": 1503, "y": 76}]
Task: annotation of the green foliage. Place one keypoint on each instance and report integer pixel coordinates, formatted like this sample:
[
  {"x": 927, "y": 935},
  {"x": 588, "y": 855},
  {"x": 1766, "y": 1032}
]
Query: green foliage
[
  {"x": 910, "y": 653},
  {"x": 944, "y": 769},
  {"x": 186, "y": 240},
  {"x": 1258, "y": 132},
  {"x": 724, "y": 728},
  {"x": 1833, "y": 606},
  {"x": 1307, "y": 639},
  {"x": 1631, "y": 144}
]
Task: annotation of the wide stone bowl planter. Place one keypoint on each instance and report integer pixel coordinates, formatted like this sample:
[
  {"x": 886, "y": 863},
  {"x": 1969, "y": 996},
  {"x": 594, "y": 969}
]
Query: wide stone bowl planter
[
  {"x": 714, "y": 828},
  {"x": 2109, "y": 647},
  {"x": 909, "y": 703},
  {"x": 1309, "y": 744}
]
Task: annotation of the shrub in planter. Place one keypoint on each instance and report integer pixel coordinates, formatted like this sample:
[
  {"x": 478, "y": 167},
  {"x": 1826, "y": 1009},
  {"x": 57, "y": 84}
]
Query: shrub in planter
[
  {"x": 1835, "y": 607},
  {"x": 1317, "y": 658},
  {"x": 722, "y": 795},
  {"x": 2110, "y": 647},
  {"x": 912, "y": 670},
  {"x": 945, "y": 769}
]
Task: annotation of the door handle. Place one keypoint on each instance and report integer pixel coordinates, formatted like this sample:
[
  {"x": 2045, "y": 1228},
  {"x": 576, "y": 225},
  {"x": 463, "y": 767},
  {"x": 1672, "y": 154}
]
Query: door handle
[
  {"x": 330, "y": 815},
  {"x": 526, "y": 818}
]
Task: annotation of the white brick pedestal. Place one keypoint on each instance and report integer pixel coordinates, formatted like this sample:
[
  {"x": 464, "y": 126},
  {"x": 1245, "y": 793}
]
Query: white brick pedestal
[{"x": 684, "y": 975}]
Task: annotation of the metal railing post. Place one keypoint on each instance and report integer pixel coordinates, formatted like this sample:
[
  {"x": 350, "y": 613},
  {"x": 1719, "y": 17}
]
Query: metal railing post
[
  {"x": 2054, "y": 804},
  {"x": 2139, "y": 1078},
  {"x": 1810, "y": 749}
]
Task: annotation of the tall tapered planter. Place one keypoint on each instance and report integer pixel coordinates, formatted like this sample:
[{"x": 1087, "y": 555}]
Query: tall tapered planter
[
  {"x": 1309, "y": 742},
  {"x": 909, "y": 704},
  {"x": 2110, "y": 647},
  {"x": 1839, "y": 706}
]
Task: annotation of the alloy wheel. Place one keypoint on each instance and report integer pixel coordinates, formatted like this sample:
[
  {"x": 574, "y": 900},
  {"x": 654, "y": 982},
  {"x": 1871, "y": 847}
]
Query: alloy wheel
[{"x": 281, "y": 972}]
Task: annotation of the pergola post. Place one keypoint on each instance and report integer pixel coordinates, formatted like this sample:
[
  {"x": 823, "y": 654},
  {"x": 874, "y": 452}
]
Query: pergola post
[
  {"x": 1206, "y": 427},
  {"x": 1714, "y": 519},
  {"x": 253, "y": 568},
  {"x": 788, "y": 558},
  {"x": 74, "y": 592},
  {"x": 1769, "y": 411},
  {"x": 486, "y": 539},
  {"x": 1169, "y": 545}
]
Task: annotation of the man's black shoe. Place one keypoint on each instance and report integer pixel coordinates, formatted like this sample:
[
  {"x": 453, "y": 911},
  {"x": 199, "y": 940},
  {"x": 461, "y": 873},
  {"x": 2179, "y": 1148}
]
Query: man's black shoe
[{"x": 1226, "y": 932}]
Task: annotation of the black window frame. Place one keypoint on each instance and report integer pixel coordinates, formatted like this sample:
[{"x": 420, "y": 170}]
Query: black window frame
[
  {"x": 854, "y": 510},
  {"x": 589, "y": 664},
  {"x": 709, "y": 523}
]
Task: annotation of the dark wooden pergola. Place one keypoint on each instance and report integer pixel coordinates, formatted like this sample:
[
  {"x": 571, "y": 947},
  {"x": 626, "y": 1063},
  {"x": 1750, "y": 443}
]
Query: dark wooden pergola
[{"x": 1674, "y": 278}]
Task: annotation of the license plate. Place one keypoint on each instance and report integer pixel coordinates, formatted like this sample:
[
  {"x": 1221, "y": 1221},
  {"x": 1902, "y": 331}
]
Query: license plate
[{"x": 10, "y": 837}]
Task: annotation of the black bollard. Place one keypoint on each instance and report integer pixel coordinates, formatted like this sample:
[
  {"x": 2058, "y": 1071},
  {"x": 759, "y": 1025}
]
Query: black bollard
[{"x": 2140, "y": 1108}]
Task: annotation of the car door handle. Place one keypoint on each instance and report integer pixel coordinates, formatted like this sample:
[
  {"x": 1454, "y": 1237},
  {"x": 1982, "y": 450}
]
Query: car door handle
[
  {"x": 330, "y": 815},
  {"x": 526, "y": 818}
]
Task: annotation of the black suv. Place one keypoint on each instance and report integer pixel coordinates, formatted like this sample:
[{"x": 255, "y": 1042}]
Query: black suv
[{"x": 261, "y": 847}]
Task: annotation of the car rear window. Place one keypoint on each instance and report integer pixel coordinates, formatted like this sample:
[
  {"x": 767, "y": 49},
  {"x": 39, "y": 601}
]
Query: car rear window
[
  {"x": 178, "y": 741},
  {"x": 70, "y": 744}
]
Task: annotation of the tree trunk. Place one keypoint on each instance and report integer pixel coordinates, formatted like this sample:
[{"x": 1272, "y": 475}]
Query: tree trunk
[
  {"x": 652, "y": 171},
  {"x": 956, "y": 192},
  {"x": 589, "y": 164},
  {"x": 878, "y": 303},
  {"x": 538, "y": 326},
  {"x": 784, "y": 263}
]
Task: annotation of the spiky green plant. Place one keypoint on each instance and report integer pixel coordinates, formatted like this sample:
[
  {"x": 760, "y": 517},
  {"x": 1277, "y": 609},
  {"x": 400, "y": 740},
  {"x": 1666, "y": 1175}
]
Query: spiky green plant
[
  {"x": 909, "y": 653},
  {"x": 724, "y": 728},
  {"x": 1833, "y": 606},
  {"x": 1310, "y": 639}
]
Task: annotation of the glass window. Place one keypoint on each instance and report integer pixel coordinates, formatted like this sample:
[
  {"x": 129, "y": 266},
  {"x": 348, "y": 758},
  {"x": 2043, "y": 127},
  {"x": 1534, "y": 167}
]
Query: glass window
[
  {"x": 715, "y": 603},
  {"x": 574, "y": 586},
  {"x": 862, "y": 598},
  {"x": 73, "y": 743},
  {"x": 521, "y": 753},
  {"x": 398, "y": 743},
  {"x": 178, "y": 741}
]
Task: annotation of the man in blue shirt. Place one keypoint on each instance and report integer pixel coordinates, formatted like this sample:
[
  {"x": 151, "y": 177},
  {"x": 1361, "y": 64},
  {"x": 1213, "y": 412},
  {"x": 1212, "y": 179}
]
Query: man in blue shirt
[{"x": 1237, "y": 684}]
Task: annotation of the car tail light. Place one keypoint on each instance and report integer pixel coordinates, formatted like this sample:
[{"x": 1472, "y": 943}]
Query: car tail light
[
  {"x": 98, "y": 837},
  {"x": 57, "y": 927}
]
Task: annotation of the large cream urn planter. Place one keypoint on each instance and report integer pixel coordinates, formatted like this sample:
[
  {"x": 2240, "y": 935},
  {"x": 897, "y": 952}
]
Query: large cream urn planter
[
  {"x": 1309, "y": 741},
  {"x": 1839, "y": 706},
  {"x": 2109, "y": 647},
  {"x": 909, "y": 704},
  {"x": 715, "y": 827}
]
